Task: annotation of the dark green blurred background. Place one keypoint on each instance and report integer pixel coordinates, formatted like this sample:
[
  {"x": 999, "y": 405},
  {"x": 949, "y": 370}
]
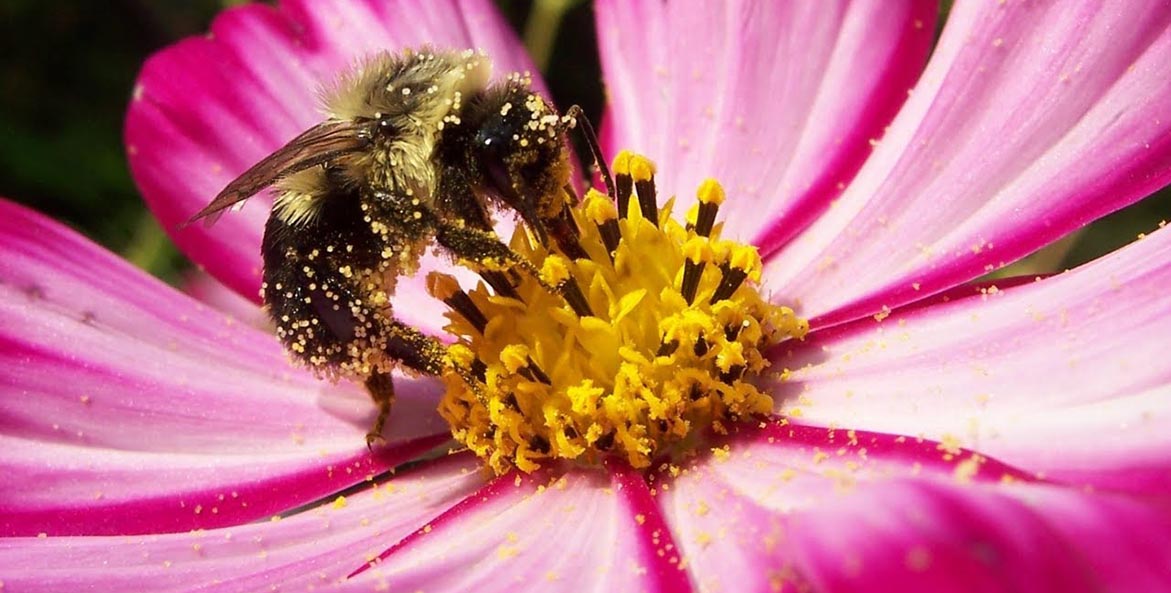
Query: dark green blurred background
[{"x": 67, "y": 68}]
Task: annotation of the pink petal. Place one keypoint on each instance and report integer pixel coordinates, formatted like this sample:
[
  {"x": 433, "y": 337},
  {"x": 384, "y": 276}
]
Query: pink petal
[
  {"x": 1029, "y": 122},
  {"x": 584, "y": 530},
  {"x": 1063, "y": 376},
  {"x": 777, "y": 100},
  {"x": 211, "y": 292},
  {"x": 126, "y": 407},
  {"x": 207, "y": 108},
  {"x": 792, "y": 508},
  {"x": 312, "y": 549}
]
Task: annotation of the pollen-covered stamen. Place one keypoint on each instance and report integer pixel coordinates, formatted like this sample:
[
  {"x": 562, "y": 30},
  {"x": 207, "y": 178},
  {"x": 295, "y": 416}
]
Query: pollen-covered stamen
[
  {"x": 605, "y": 217},
  {"x": 500, "y": 282},
  {"x": 697, "y": 250},
  {"x": 731, "y": 280},
  {"x": 643, "y": 173},
  {"x": 555, "y": 273},
  {"x": 669, "y": 354},
  {"x": 636, "y": 170},
  {"x": 447, "y": 289},
  {"x": 710, "y": 195},
  {"x": 623, "y": 182},
  {"x": 735, "y": 271}
]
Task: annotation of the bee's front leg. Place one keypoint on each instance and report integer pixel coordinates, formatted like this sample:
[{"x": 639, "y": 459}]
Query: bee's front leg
[{"x": 477, "y": 245}]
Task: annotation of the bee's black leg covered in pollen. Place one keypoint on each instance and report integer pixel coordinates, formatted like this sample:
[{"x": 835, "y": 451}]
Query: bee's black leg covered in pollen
[
  {"x": 484, "y": 249},
  {"x": 414, "y": 349}
]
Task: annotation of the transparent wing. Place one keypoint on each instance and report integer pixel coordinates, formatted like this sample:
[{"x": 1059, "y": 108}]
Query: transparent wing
[{"x": 320, "y": 144}]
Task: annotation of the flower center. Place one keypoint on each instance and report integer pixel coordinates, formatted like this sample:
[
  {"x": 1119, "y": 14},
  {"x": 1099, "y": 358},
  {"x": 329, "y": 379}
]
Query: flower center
[{"x": 677, "y": 333}]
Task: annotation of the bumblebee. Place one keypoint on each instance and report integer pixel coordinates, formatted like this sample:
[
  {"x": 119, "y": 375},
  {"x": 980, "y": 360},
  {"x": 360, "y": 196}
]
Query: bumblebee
[{"x": 418, "y": 149}]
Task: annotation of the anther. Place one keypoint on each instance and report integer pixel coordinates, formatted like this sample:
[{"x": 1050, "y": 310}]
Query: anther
[
  {"x": 692, "y": 272},
  {"x": 732, "y": 279},
  {"x": 602, "y": 212},
  {"x": 741, "y": 263},
  {"x": 733, "y": 374},
  {"x": 575, "y": 298},
  {"x": 667, "y": 348},
  {"x": 534, "y": 372},
  {"x": 697, "y": 250},
  {"x": 461, "y": 303},
  {"x": 499, "y": 282},
  {"x": 611, "y": 235},
  {"x": 642, "y": 171},
  {"x": 701, "y": 346},
  {"x": 732, "y": 331},
  {"x": 469, "y": 368},
  {"x": 623, "y": 183},
  {"x": 516, "y": 359},
  {"x": 555, "y": 273},
  {"x": 711, "y": 195},
  {"x": 447, "y": 289}
]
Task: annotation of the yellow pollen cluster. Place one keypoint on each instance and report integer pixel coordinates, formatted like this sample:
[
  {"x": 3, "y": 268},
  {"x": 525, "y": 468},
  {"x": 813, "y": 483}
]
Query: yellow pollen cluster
[{"x": 677, "y": 334}]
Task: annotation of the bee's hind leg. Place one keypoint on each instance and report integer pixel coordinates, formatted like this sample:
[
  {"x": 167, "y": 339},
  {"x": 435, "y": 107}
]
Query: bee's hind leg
[
  {"x": 425, "y": 354},
  {"x": 380, "y": 385},
  {"x": 414, "y": 350},
  {"x": 418, "y": 352}
]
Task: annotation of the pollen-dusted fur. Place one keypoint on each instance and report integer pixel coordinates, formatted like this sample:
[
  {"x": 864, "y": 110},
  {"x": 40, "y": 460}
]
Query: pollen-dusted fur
[
  {"x": 417, "y": 148},
  {"x": 415, "y": 94}
]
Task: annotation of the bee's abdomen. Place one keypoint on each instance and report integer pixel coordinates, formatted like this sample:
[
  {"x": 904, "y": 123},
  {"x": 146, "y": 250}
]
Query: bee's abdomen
[{"x": 328, "y": 290}]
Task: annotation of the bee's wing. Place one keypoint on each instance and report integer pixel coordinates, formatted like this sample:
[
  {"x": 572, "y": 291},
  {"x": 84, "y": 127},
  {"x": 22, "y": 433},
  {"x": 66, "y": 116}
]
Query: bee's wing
[{"x": 317, "y": 145}]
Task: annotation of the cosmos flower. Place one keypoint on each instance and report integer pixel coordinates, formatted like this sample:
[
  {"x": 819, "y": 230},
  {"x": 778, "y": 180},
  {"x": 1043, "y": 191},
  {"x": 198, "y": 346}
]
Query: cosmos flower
[{"x": 932, "y": 435}]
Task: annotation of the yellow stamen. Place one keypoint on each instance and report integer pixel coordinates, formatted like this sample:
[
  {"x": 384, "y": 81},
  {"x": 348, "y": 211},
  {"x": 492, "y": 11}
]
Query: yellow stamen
[
  {"x": 555, "y": 270},
  {"x": 678, "y": 334},
  {"x": 621, "y": 164},
  {"x": 598, "y": 208},
  {"x": 641, "y": 168},
  {"x": 710, "y": 192}
]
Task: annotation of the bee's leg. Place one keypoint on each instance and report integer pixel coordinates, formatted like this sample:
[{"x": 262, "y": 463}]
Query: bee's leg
[
  {"x": 477, "y": 245},
  {"x": 423, "y": 353},
  {"x": 579, "y": 117},
  {"x": 418, "y": 352},
  {"x": 415, "y": 349},
  {"x": 380, "y": 385}
]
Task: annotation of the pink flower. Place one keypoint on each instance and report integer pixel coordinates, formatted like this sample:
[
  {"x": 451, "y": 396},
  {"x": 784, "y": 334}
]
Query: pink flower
[{"x": 937, "y": 437}]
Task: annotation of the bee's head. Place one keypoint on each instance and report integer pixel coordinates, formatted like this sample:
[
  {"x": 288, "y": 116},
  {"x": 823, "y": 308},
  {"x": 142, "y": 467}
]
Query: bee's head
[{"x": 520, "y": 151}]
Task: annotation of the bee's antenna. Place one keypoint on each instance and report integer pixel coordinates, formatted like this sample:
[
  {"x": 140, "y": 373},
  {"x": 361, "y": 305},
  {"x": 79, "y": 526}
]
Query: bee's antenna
[{"x": 591, "y": 137}]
